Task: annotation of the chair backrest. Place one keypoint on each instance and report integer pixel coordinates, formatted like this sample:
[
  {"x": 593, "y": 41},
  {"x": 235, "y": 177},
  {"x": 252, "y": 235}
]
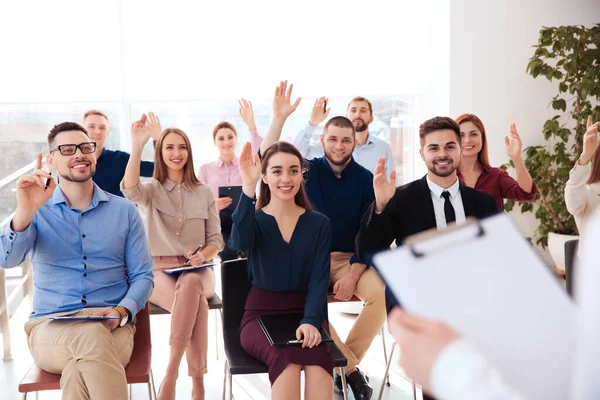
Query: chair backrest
[
  {"x": 570, "y": 251},
  {"x": 235, "y": 287}
]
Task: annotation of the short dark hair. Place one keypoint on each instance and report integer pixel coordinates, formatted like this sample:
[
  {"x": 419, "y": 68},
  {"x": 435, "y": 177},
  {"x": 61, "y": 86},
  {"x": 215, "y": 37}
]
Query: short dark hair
[
  {"x": 438, "y": 124},
  {"x": 340, "y": 122},
  {"x": 64, "y": 127},
  {"x": 360, "y": 98}
]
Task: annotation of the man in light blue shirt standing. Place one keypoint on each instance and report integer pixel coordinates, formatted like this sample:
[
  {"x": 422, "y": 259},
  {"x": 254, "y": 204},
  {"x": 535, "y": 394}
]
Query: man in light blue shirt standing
[
  {"x": 368, "y": 147},
  {"x": 90, "y": 257}
]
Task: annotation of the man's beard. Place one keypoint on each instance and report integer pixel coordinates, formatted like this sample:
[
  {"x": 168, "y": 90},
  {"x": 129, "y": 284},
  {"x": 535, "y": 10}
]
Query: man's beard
[
  {"x": 71, "y": 178},
  {"x": 338, "y": 163},
  {"x": 363, "y": 127},
  {"x": 443, "y": 174}
]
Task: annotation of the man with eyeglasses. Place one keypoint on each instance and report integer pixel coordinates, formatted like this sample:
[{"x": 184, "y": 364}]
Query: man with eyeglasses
[
  {"x": 112, "y": 163},
  {"x": 90, "y": 259}
]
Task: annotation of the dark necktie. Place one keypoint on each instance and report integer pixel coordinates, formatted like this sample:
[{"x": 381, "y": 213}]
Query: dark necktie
[{"x": 448, "y": 207}]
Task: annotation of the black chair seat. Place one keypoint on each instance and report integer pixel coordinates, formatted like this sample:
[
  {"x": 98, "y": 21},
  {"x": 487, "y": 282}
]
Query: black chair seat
[{"x": 213, "y": 304}]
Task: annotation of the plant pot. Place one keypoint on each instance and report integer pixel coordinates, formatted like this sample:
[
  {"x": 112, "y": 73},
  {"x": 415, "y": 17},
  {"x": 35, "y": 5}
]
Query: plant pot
[{"x": 556, "y": 247}]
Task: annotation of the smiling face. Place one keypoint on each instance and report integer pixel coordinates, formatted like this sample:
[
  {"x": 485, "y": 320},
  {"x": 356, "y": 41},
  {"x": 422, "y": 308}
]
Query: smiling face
[
  {"x": 174, "y": 151},
  {"x": 360, "y": 115},
  {"x": 338, "y": 144},
  {"x": 472, "y": 139},
  {"x": 441, "y": 152},
  {"x": 97, "y": 127},
  {"x": 78, "y": 167},
  {"x": 226, "y": 140},
  {"x": 283, "y": 176}
]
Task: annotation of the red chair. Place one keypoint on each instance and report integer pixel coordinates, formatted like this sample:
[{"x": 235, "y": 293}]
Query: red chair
[{"x": 139, "y": 369}]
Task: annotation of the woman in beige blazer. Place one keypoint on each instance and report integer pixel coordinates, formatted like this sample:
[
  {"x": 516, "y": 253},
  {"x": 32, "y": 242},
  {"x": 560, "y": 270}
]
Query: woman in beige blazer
[{"x": 180, "y": 217}]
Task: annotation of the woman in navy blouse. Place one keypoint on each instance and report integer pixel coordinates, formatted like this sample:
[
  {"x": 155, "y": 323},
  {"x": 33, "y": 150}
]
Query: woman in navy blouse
[{"x": 288, "y": 247}]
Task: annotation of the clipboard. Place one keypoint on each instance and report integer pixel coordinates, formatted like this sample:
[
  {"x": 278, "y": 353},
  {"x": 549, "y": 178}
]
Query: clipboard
[
  {"x": 488, "y": 283},
  {"x": 280, "y": 330},
  {"x": 83, "y": 318},
  {"x": 186, "y": 268},
  {"x": 235, "y": 192}
]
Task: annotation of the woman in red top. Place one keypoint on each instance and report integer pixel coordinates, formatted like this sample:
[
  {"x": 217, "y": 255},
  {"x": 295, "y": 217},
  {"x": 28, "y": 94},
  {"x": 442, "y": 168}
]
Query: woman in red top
[{"x": 475, "y": 170}]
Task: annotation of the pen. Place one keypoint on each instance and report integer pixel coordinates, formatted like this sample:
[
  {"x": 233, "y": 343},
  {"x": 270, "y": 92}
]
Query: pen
[
  {"x": 295, "y": 341},
  {"x": 187, "y": 260},
  {"x": 325, "y": 106}
]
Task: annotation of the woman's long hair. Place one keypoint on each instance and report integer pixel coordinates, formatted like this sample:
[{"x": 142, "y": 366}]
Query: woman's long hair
[
  {"x": 482, "y": 157},
  {"x": 301, "y": 199},
  {"x": 160, "y": 168},
  {"x": 595, "y": 174}
]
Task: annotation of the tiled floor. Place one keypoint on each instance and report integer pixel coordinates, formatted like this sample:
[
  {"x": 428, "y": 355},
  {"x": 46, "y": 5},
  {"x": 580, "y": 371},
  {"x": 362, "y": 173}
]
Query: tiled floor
[{"x": 244, "y": 387}]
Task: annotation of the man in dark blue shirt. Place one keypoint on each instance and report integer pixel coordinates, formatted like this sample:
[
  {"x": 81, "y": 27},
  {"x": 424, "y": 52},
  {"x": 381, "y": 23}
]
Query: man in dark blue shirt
[
  {"x": 111, "y": 164},
  {"x": 341, "y": 189}
]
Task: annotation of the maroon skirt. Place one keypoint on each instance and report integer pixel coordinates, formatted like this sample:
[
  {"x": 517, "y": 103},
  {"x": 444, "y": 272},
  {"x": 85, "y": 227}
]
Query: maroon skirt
[{"x": 277, "y": 358}]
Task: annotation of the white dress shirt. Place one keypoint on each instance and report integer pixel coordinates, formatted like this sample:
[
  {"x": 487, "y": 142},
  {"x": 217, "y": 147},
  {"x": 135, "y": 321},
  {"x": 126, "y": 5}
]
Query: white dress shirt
[{"x": 438, "y": 203}]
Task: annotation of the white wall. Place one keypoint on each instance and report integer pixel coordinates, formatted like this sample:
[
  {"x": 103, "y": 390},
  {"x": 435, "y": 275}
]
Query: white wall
[{"x": 490, "y": 44}]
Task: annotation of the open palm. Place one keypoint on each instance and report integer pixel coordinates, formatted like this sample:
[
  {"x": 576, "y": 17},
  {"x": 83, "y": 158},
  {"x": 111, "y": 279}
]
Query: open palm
[
  {"x": 590, "y": 138},
  {"x": 249, "y": 166},
  {"x": 384, "y": 189},
  {"x": 282, "y": 101},
  {"x": 513, "y": 143}
]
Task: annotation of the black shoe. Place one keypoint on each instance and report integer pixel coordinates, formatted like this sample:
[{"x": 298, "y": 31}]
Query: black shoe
[
  {"x": 359, "y": 383},
  {"x": 337, "y": 384}
]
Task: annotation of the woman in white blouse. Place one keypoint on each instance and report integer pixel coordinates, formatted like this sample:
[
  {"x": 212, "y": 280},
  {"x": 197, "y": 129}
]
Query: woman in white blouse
[{"x": 582, "y": 192}]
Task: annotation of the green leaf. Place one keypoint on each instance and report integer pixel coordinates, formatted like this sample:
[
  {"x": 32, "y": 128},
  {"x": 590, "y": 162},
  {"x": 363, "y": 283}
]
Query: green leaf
[{"x": 559, "y": 104}]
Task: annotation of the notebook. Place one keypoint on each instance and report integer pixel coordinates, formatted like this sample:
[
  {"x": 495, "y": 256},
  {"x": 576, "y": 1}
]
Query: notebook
[
  {"x": 487, "y": 282},
  {"x": 280, "y": 330},
  {"x": 186, "y": 268}
]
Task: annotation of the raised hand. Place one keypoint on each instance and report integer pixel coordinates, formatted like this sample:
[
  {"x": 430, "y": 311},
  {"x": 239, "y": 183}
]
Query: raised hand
[
  {"x": 249, "y": 166},
  {"x": 318, "y": 113},
  {"x": 513, "y": 143},
  {"x": 32, "y": 192},
  {"x": 282, "y": 102},
  {"x": 309, "y": 335},
  {"x": 590, "y": 141},
  {"x": 384, "y": 189},
  {"x": 247, "y": 114},
  {"x": 153, "y": 124},
  {"x": 140, "y": 133}
]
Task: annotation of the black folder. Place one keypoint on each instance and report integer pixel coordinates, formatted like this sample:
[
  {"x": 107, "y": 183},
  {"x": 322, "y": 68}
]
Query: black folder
[
  {"x": 235, "y": 192},
  {"x": 280, "y": 330}
]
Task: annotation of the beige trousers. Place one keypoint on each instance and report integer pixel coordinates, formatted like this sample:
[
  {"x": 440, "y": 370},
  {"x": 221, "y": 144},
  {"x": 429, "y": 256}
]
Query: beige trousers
[
  {"x": 89, "y": 356},
  {"x": 371, "y": 290},
  {"x": 186, "y": 297}
]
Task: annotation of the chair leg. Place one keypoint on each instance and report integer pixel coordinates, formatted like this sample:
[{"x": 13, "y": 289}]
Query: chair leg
[
  {"x": 230, "y": 386},
  {"x": 387, "y": 377},
  {"x": 130, "y": 396},
  {"x": 149, "y": 390},
  {"x": 414, "y": 391},
  {"x": 4, "y": 321},
  {"x": 225, "y": 381},
  {"x": 387, "y": 370},
  {"x": 216, "y": 336},
  {"x": 24, "y": 396},
  {"x": 153, "y": 385},
  {"x": 344, "y": 387}
]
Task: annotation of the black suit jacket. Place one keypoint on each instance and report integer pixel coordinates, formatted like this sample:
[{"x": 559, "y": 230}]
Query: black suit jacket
[{"x": 410, "y": 211}]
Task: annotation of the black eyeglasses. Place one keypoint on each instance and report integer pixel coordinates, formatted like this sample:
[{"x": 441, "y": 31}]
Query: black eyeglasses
[{"x": 70, "y": 149}]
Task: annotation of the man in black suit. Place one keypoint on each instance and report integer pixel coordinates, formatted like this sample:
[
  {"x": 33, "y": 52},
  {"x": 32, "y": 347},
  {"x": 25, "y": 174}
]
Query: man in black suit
[{"x": 436, "y": 200}]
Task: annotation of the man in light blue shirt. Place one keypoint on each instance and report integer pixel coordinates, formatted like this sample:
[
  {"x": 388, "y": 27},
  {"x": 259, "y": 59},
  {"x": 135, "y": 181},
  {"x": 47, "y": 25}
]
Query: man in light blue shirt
[
  {"x": 368, "y": 147},
  {"x": 90, "y": 257}
]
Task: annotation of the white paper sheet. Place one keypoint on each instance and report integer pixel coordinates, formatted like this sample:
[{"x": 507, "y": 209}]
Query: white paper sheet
[{"x": 498, "y": 293}]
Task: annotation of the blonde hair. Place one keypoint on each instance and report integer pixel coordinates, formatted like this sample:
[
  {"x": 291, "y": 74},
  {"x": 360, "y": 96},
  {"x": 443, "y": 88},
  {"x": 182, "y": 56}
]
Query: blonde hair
[{"x": 95, "y": 112}]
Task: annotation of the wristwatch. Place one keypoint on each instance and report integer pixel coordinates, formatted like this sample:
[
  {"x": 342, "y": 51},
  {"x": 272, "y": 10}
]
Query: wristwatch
[{"x": 124, "y": 315}]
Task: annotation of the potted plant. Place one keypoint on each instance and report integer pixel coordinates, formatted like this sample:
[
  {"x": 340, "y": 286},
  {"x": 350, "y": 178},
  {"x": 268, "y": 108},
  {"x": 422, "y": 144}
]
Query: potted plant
[{"x": 570, "y": 57}]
